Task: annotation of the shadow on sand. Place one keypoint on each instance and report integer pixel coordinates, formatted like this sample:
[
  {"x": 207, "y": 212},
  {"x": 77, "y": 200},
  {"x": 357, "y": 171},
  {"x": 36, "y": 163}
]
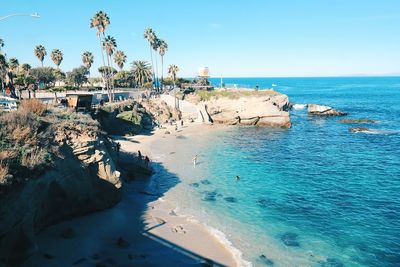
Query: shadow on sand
[{"x": 119, "y": 236}]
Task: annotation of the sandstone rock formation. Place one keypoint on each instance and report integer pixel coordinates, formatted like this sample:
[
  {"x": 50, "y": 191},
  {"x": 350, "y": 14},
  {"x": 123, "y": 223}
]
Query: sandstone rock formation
[
  {"x": 359, "y": 130},
  {"x": 320, "y": 110},
  {"x": 251, "y": 108},
  {"x": 83, "y": 179}
]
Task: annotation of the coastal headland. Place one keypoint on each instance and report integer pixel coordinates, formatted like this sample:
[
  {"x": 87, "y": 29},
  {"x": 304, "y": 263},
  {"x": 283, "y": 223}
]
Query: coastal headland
[{"x": 85, "y": 173}]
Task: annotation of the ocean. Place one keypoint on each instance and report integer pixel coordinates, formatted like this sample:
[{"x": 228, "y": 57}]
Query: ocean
[{"x": 311, "y": 195}]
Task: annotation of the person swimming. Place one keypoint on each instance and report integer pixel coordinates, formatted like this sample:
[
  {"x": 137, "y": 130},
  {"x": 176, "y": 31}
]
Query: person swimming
[
  {"x": 237, "y": 178},
  {"x": 194, "y": 160}
]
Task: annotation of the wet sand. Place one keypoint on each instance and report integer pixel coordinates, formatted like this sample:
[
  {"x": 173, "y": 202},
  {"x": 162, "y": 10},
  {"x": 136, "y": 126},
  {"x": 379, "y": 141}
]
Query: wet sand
[{"x": 142, "y": 230}]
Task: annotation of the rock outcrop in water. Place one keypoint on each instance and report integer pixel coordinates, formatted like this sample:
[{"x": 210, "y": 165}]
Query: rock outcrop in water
[
  {"x": 357, "y": 121},
  {"x": 320, "y": 110},
  {"x": 243, "y": 107},
  {"x": 359, "y": 130},
  {"x": 82, "y": 178}
]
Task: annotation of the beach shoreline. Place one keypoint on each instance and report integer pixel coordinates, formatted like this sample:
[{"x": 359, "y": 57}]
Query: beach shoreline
[
  {"x": 209, "y": 242},
  {"x": 143, "y": 226}
]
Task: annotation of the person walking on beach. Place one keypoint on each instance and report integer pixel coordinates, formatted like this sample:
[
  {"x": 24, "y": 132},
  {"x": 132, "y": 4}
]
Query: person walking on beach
[
  {"x": 194, "y": 160},
  {"x": 118, "y": 147}
]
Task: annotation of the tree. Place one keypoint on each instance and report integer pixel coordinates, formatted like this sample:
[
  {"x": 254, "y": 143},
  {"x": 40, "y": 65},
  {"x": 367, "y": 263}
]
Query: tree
[
  {"x": 77, "y": 76},
  {"x": 24, "y": 82},
  {"x": 40, "y": 53},
  {"x": 120, "y": 59},
  {"x": 155, "y": 46},
  {"x": 87, "y": 59},
  {"x": 105, "y": 72},
  {"x": 109, "y": 45},
  {"x": 13, "y": 66},
  {"x": 3, "y": 71},
  {"x": 44, "y": 76},
  {"x": 29, "y": 80},
  {"x": 100, "y": 21},
  {"x": 150, "y": 36},
  {"x": 60, "y": 76},
  {"x": 124, "y": 79},
  {"x": 1, "y": 45},
  {"x": 172, "y": 71},
  {"x": 162, "y": 50},
  {"x": 141, "y": 72},
  {"x": 57, "y": 57}
]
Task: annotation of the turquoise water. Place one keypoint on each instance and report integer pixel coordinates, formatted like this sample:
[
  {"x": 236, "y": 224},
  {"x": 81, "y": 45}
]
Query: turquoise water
[{"x": 312, "y": 195}]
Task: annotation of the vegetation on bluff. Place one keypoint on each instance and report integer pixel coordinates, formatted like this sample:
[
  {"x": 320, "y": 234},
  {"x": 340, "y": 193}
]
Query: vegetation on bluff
[
  {"x": 31, "y": 137},
  {"x": 233, "y": 94}
]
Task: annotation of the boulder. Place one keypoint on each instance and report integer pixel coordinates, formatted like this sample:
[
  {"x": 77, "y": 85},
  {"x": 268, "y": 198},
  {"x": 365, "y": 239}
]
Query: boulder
[
  {"x": 357, "y": 121},
  {"x": 359, "y": 130},
  {"x": 320, "y": 110}
]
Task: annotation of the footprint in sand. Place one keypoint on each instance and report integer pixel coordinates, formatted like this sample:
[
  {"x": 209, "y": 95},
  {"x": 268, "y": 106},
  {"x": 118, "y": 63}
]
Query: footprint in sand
[{"x": 178, "y": 229}]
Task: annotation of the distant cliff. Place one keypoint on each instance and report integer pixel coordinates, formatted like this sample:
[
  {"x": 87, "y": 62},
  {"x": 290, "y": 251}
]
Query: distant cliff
[
  {"x": 243, "y": 107},
  {"x": 56, "y": 164}
]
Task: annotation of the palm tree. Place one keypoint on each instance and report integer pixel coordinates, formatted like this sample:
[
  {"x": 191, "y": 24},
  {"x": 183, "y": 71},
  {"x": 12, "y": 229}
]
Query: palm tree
[
  {"x": 3, "y": 71},
  {"x": 150, "y": 36},
  {"x": 26, "y": 68},
  {"x": 109, "y": 45},
  {"x": 40, "y": 53},
  {"x": 172, "y": 71},
  {"x": 120, "y": 59},
  {"x": 57, "y": 57},
  {"x": 100, "y": 21},
  {"x": 162, "y": 50},
  {"x": 155, "y": 45},
  {"x": 1, "y": 44},
  {"x": 141, "y": 72},
  {"x": 13, "y": 65},
  {"x": 87, "y": 60}
]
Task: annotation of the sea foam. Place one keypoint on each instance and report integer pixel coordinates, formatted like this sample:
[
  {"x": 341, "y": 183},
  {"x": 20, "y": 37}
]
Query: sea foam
[
  {"x": 299, "y": 106},
  {"x": 222, "y": 238}
]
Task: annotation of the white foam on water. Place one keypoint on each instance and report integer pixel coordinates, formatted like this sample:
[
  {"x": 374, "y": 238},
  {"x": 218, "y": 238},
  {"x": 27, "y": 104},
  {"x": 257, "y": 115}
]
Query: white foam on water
[
  {"x": 299, "y": 106},
  {"x": 222, "y": 238}
]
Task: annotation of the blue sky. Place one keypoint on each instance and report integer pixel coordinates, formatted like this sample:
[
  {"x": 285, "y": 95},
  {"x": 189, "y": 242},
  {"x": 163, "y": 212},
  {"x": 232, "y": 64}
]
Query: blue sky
[{"x": 253, "y": 38}]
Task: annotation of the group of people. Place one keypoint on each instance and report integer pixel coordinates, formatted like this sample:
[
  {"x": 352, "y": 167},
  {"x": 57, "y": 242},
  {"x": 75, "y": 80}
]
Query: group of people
[{"x": 146, "y": 158}]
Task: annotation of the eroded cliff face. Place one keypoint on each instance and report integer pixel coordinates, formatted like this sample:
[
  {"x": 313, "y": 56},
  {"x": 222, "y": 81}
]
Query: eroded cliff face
[
  {"x": 260, "y": 109},
  {"x": 83, "y": 179}
]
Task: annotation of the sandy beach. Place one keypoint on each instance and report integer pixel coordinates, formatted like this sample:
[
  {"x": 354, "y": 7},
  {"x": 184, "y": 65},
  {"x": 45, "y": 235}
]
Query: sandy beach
[{"x": 143, "y": 229}]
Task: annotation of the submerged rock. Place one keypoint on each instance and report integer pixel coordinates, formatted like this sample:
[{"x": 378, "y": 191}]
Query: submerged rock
[
  {"x": 331, "y": 262},
  {"x": 205, "y": 182},
  {"x": 357, "y": 121},
  {"x": 209, "y": 196},
  {"x": 359, "y": 130},
  {"x": 122, "y": 243},
  {"x": 266, "y": 260},
  {"x": 290, "y": 239},
  {"x": 320, "y": 110},
  {"x": 264, "y": 202},
  {"x": 230, "y": 199},
  {"x": 195, "y": 185}
]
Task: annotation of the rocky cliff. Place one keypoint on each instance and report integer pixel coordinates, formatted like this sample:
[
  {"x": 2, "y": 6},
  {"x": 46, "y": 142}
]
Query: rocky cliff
[
  {"x": 262, "y": 108},
  {"x": 82, "y": 178}
]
